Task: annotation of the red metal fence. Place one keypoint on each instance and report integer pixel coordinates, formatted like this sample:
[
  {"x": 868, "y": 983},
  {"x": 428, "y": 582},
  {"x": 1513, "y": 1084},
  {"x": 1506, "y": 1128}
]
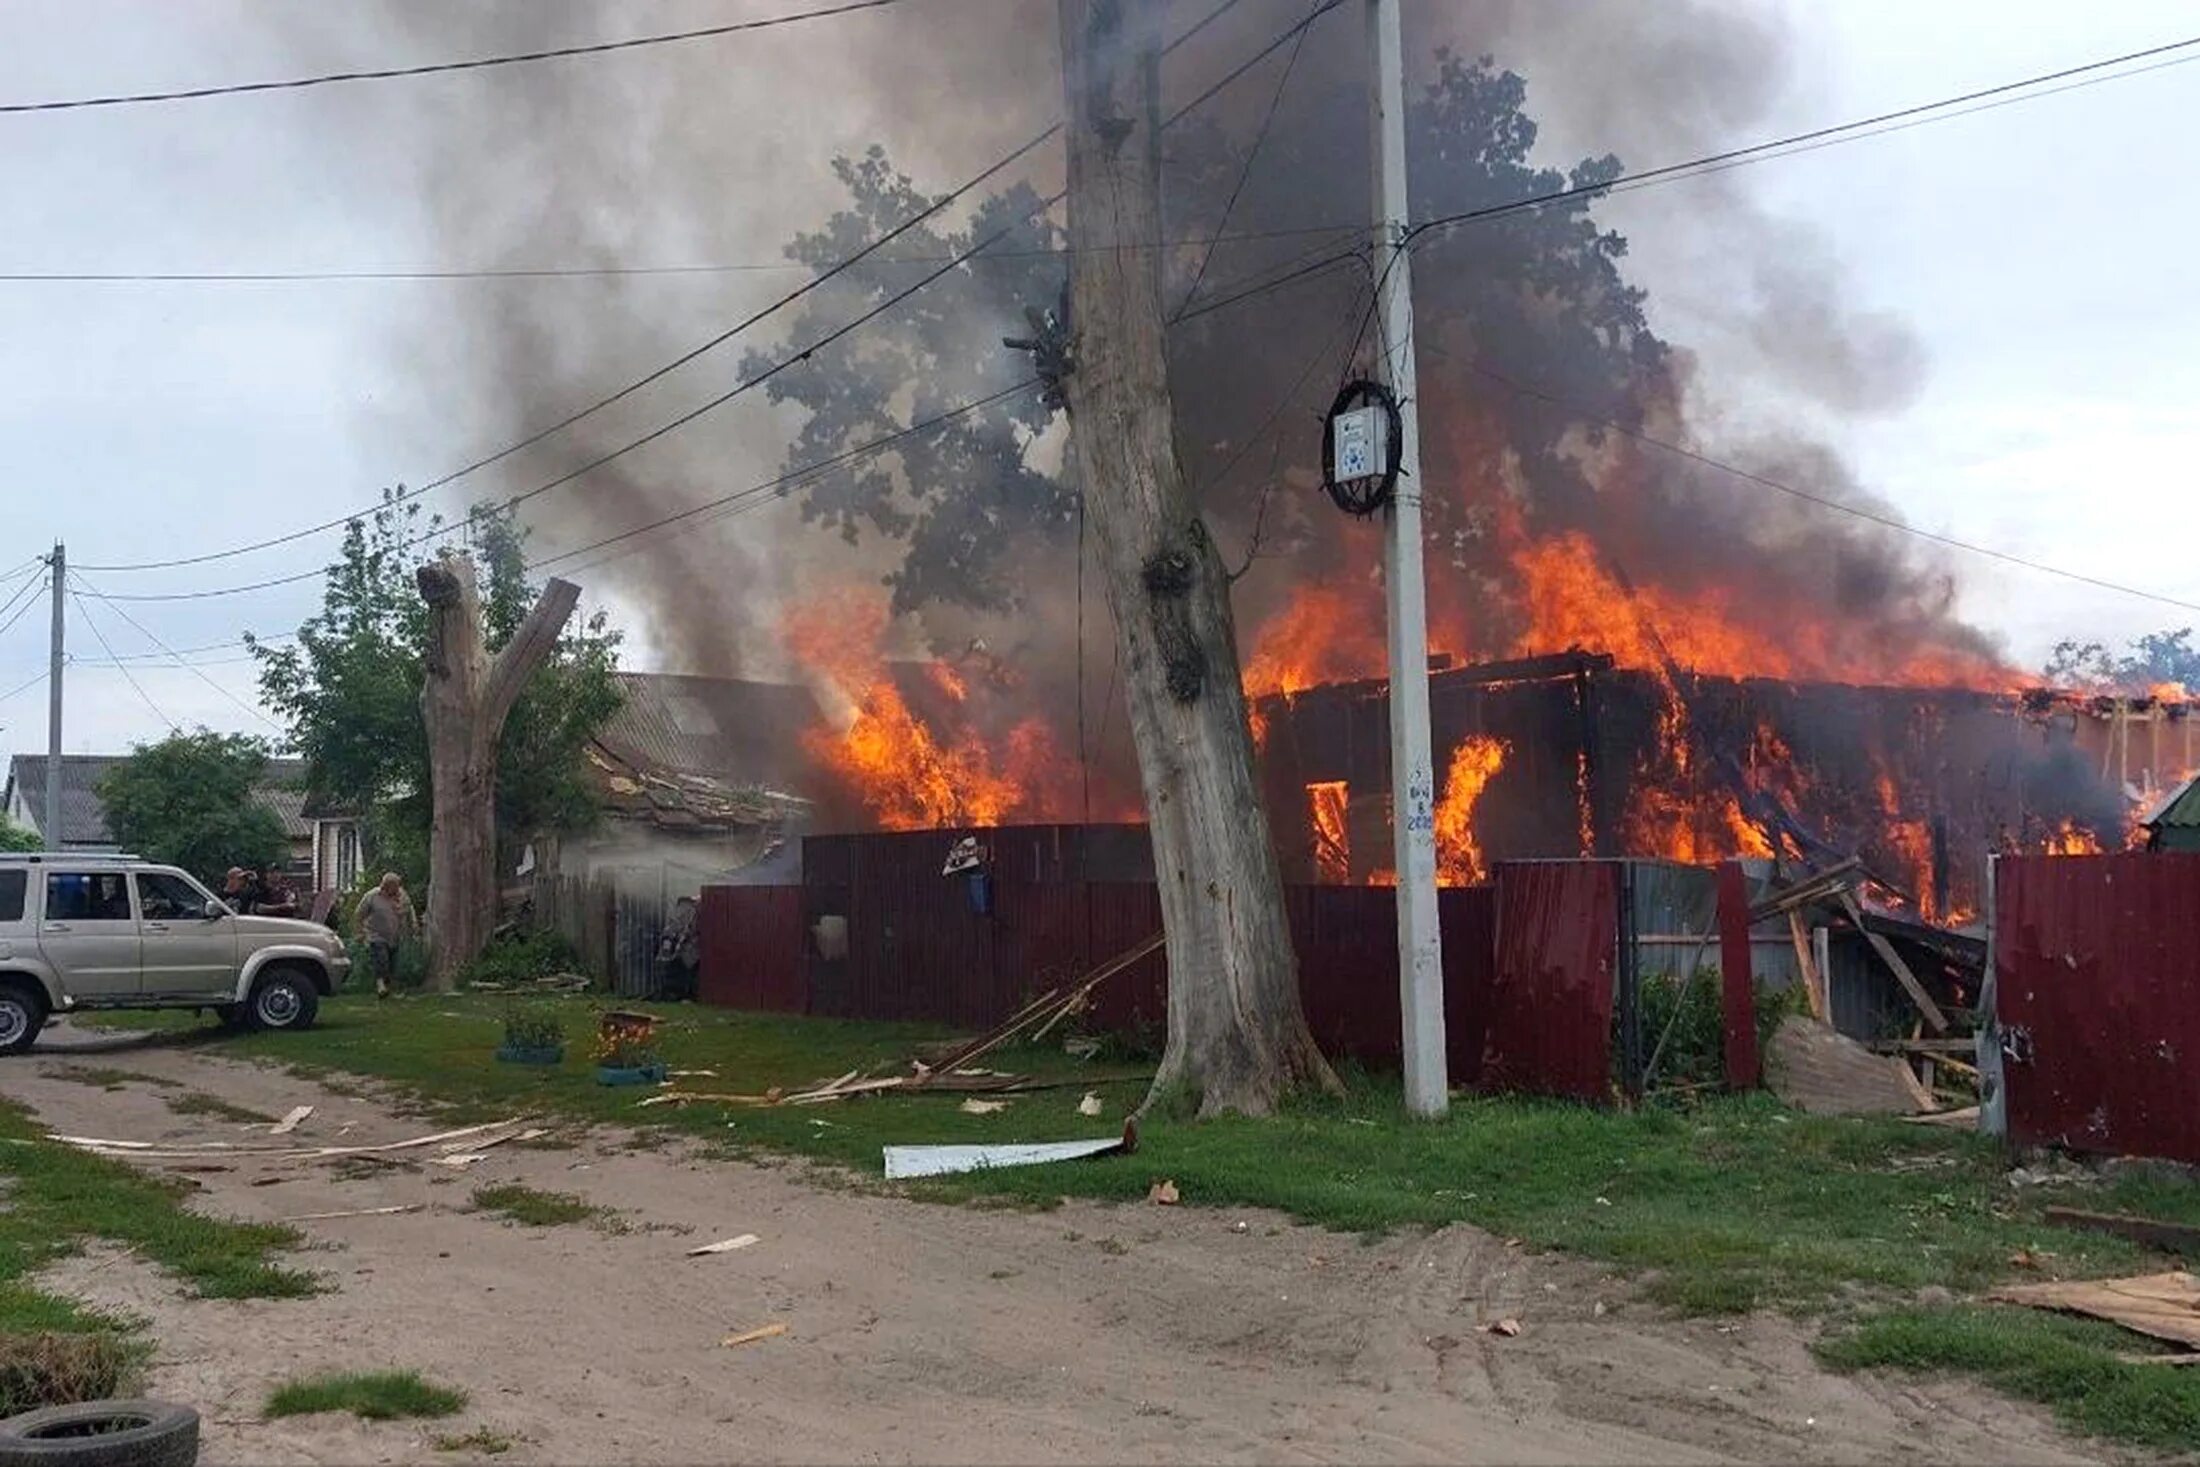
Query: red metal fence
[
  {"x": 876, "y": 932},
  {"x": 752, "y": 950},
  {"x": 1549, "y": 999},
  {"x": 2097, "y": 1001}
]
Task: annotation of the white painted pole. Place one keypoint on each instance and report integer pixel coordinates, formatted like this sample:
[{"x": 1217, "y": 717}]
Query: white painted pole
[
  {"x": 1412, "y": 772},
  {"x": 52, "y": 833}
]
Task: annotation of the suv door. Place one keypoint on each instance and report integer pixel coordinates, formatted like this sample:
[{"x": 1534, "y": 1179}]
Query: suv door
[
  {"x": 186, "y": 951},
  {"x": 89, "y": 933}
]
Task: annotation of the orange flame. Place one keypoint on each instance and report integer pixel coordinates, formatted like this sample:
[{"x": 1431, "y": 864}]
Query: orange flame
[
  {"x": 1473, "y": 765},
  {"x": 907, "y": 774},
  {"x": 1325, "y": 806},
  {"x": 2072, "y": 839}
]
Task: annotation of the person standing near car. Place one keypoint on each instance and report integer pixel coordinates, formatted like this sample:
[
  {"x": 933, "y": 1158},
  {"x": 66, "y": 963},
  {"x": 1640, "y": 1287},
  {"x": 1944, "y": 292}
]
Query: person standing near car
[{"x": 385, "y": 918}]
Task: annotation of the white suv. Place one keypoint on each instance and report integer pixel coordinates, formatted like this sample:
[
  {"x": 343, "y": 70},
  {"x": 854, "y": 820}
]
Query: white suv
[{"x": 118, "y": 932}]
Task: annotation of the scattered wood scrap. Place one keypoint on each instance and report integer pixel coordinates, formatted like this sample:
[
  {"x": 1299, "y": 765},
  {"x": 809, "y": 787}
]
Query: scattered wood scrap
[
  {"x": 354, "y": 1212},
  {"x": 2163, "y": 1305},
  {"x": 770, "y": 1331},
  {"x": 725, "y": 1245},
  {"x": 290, "y": 1121},
  {"x": 489, "y": 1133},
  {"x": 1043, "y": 1012},
  {"x": 2148, "y": 1232}
]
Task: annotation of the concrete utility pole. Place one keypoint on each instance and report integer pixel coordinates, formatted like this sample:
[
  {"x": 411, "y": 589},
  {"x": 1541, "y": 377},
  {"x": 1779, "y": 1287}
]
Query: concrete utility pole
[
  {"x": 52, "y": 833},
  {"x": 1412, "y": 771}
]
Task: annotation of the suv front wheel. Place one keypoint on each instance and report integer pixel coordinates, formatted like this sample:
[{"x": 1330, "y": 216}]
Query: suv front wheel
[
  {"x": 22, "y": 1015},
  {"x": 284, "y": 998}
]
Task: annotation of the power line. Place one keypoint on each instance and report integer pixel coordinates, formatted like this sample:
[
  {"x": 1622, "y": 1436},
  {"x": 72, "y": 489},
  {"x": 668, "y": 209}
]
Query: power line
[
  {"x": 85, "y": 614},
  {"x": 1886, "y": 521},
  {"x": 742, "y": 497},
  {"x": 18, "y": 605},
  {"x": 1252, "y": 156},
  {"x": 479, "y": 63},
  {"x": 21, "y": 688},
  {"x": 1012, "y": 156},
  {"x": 952, "y": 263},
  {"x": 1820, "y": 136},
  {"x": 632, "y": 387},
  {"x": 86, "y": 587},
  {"x": 660, "y": 431}
]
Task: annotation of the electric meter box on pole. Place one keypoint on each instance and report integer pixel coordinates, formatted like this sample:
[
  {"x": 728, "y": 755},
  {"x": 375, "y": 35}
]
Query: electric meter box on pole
[{"x": 1362, "y": 444}]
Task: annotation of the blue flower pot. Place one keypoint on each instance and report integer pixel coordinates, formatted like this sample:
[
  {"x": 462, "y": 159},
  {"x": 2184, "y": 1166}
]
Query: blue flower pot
[
  {"x": 531, "y": 1054},
  {"x": 653, "y": 1074}
]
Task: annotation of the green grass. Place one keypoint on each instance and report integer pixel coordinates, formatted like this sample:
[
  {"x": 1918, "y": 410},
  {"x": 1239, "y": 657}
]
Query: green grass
[
  {"x": 1729, "y": 1205},
  {"x": 198, "y": 1103},
  {"x": 2071, "y": 1365},
  {"x": 530, "y": 1208},
  {"x": 57, "y": 1199},
  {"x": 106, "y": 1077},
  {"x": 385, "y": 1395}
]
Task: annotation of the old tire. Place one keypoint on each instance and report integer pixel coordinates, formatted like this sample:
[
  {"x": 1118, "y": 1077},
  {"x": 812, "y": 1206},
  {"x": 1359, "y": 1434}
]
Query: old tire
[
  {"x": 283, "y": 999},
  {"x": 22, "y": 1015},
  {"x": 102, "y": 1434}
]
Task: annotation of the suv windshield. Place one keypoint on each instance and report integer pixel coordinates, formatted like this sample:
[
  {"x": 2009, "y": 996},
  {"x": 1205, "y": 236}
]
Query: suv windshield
[{"x": 163, "y": 897}]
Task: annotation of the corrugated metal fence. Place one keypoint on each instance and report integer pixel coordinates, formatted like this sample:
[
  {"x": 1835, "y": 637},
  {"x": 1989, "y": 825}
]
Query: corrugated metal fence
[
  {"x": 877, "y": 932},
  {"x": 2096, "y": 1001}
]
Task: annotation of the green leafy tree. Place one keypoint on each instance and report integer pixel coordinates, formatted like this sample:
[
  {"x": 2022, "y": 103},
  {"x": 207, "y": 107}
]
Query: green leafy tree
[
  {"x": 969, "y": 499},
  {"x": 188, "y": 801},
  {"x": 14, "y": 837},
  {"x": 2157, "y": 657},
  {"x": 349, "y": 690}
]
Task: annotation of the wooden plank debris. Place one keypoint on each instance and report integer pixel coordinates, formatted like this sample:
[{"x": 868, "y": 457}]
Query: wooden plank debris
[
  {"x": 290, "y": 1121},
  {"x": 1817, "y": 887},
  {"x": 770, "y": 1331},
  {"x": 2149, "y": 1232},
  {"x": 223, "y": 1150},
  {"x": 2163, "y": 1305},
  {"x": 355, "y": 1212},
  {"x": 1813, "y": 985},
  {"x": 725, "y": 1245},
  {"x": 1916, "y": 990},
  {"x": 1043, "y": 1011}
]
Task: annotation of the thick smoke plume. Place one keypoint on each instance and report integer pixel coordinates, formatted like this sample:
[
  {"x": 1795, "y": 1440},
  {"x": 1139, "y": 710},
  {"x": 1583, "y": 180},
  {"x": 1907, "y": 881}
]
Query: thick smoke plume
[{"x": 1544, "y": 367}]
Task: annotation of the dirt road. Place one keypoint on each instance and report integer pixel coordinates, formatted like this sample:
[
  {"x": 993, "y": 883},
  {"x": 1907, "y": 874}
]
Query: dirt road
[{"x": 933, "y": 1334}]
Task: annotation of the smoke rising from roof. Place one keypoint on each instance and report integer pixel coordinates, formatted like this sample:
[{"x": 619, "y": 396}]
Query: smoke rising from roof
[{"x": 722, "y": 152}]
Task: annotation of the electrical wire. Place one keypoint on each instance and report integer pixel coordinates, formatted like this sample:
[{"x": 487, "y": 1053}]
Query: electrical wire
[
  {"x": 1252, "y": 156},
  {"x": 1822, "y": 136},
  {"x": 84, "y": 587},
  {"x": 781, "y": 303},
  {"x": 85, "y": 614},
  {"x": 25, "y": 597},
  {"x": 434, "y": 68},
  {"x": 746, "y": 385},
  {"x": 1885, "y": 521},
  {"x": 743, "y": 497},
  {"x": 21, "y": 688}
]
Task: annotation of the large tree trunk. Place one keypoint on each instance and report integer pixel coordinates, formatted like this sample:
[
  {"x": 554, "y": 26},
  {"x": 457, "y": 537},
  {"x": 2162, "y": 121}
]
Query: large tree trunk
[
  {"x": 1237, "y": 1035},
  {"x": 465, "y": 701}
]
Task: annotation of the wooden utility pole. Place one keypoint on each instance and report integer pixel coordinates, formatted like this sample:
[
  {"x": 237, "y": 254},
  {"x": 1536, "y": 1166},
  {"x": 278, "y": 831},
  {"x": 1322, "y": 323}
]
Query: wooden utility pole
[
  {"x": 1237, "y": 1034},
  {"x": 467, "y": 697}
]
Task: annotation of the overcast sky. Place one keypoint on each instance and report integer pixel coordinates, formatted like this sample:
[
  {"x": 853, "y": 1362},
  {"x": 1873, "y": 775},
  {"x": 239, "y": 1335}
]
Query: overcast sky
[{"x": 2040, "y": 254}]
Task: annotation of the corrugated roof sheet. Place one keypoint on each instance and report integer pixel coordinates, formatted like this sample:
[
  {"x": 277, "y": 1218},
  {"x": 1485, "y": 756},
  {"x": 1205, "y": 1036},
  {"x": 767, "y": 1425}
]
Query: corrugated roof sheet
[
  {"x": 84, "y": 818},
  {"x": 2181, "y": 809},
  {"x": 721, "y": 728}
]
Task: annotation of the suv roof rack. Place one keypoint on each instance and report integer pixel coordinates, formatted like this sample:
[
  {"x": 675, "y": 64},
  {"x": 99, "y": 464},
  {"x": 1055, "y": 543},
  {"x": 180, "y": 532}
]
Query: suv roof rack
[{"x": 74, "y": 858}]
